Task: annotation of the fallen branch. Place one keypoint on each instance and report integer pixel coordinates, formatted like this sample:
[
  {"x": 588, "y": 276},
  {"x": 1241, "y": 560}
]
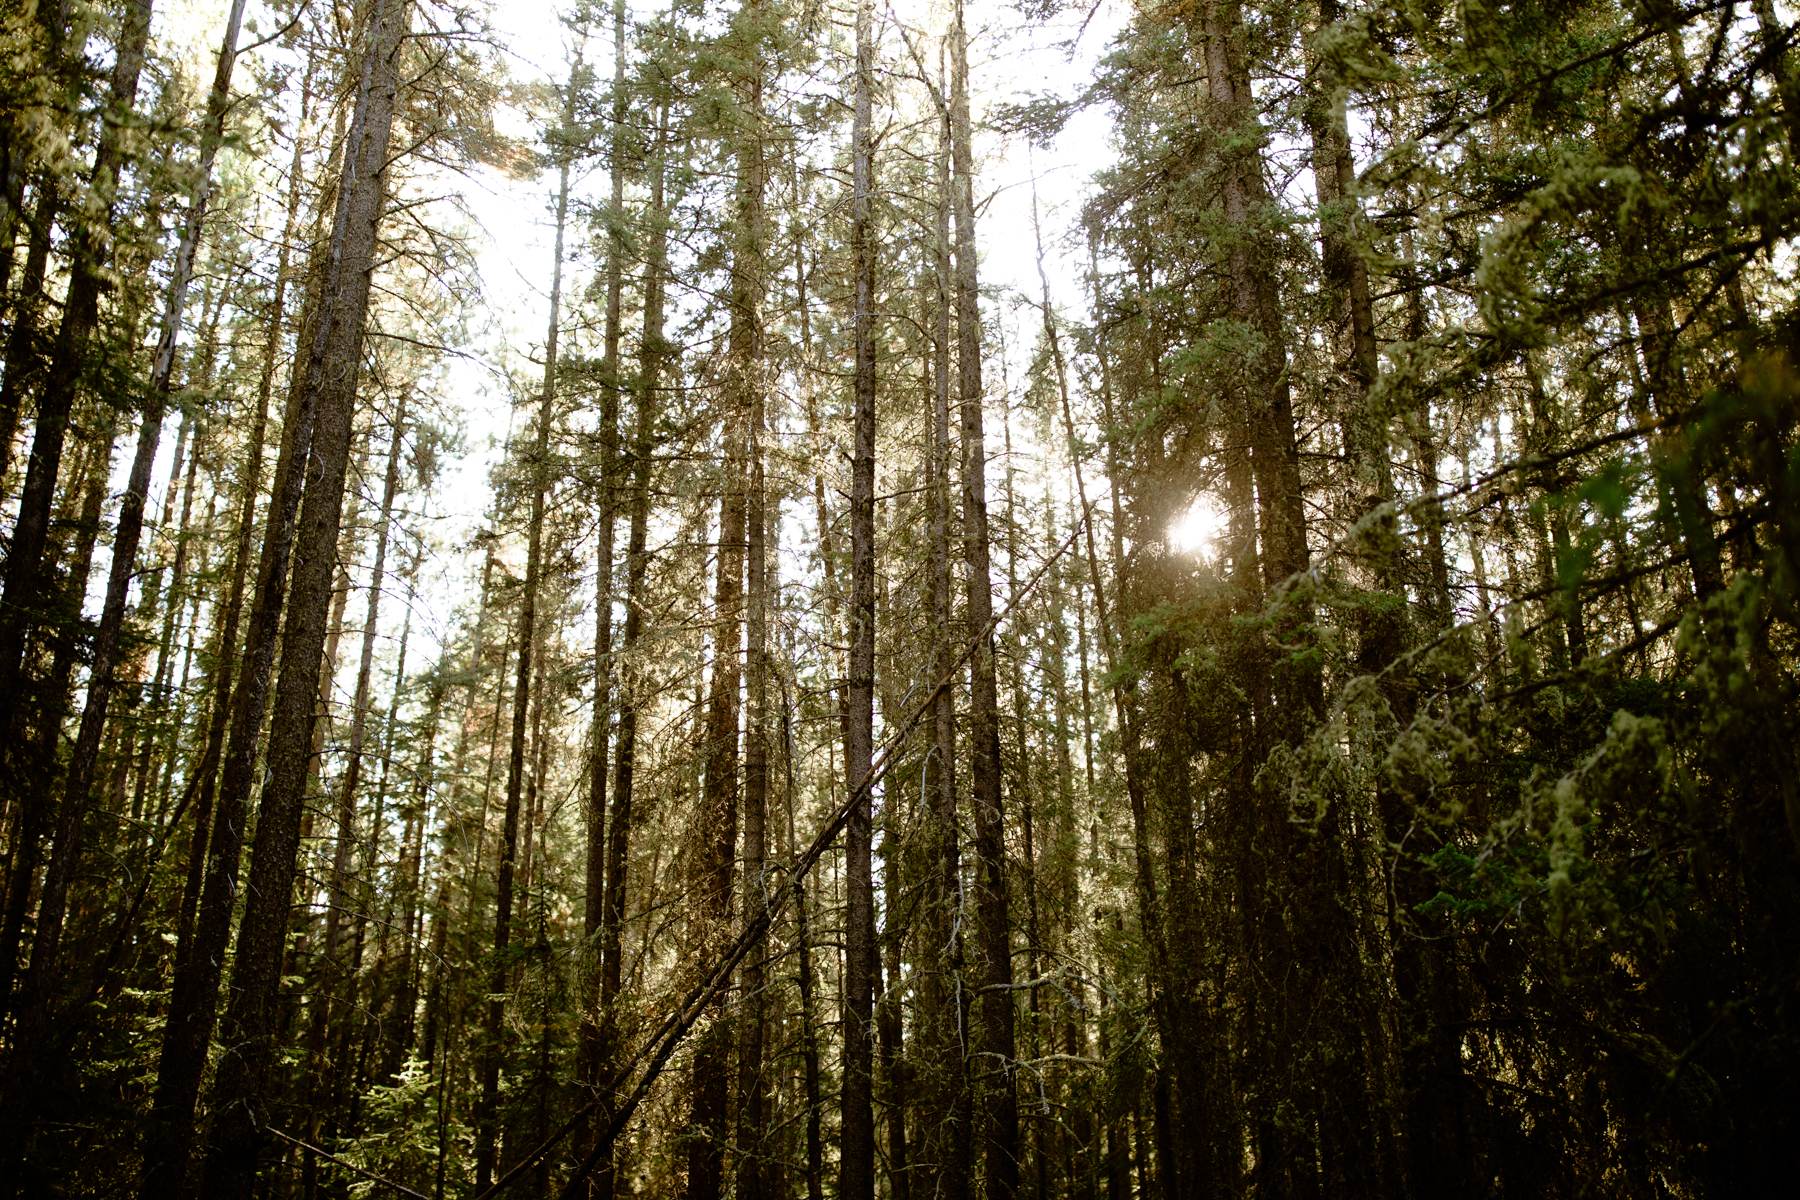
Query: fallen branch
[
  {"x": 653, "y": 1055},
  {"x": 328, "y": 1156}
]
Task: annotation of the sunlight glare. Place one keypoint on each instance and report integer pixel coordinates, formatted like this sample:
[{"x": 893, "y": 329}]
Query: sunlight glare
[{"x": 1197, "y": 530}]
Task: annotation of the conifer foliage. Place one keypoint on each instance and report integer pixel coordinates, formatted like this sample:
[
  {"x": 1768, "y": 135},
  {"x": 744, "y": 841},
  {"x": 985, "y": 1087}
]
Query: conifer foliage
[{"x": 758, "y": 610}]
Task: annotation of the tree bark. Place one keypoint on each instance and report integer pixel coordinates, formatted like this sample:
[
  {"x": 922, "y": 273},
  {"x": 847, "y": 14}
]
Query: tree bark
[
  {"x": 487, "y": 1114},
  {"x": 946, "y": 1120},
  {"x": 594, "y": 913},
  {"x": 31, "y": 811},
  {"x": 651, "y": 355},
  {"x": 78, "y": 795},
  {"x": 335, "y": 1001},
  {"x": 21, "y": 600},
  {"x": 203, "y": 926},
  {"x": 330, "y": 376},
  {"x": 707, "y": 1123},
  {"x": 857, "y": 1149},
  {"x": 1000, "y": 1137}
]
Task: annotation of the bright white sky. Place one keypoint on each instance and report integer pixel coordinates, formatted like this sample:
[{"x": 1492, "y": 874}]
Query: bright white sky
[{"x": 1012, "y": 58}]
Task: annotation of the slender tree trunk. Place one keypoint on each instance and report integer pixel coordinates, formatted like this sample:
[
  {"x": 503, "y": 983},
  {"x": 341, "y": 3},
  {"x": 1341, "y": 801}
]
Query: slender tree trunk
[
  {"x": 349, "y": 546},
  {"x": 352, "y": 1075},
  {"x": 302, "y": 951},
  {"x": 594, "y": 914},
  {"x": 857, "y": 1152},
  {"x": 31, "y": 811},
  {"x": 890, "y": 999},
  {"x": 21, "y": 598},
  {"x": 335, "y": 987},
  {"x": 1068, "y": 901},
  {"x": 23, "y": 353},
  {"x": 397, "y": 1037},
  {"x": 1033, "y": 1148},
  {"x": 163, "y": 598},
  {"x": 129, "y": 530},
  {"x": 1024, "y": 785},
  {"x": 209, "y": 895},
  {"x": 947, "y": 1117},
  {"x": 487, "y": 1112},
  {"x": 1346, "y": 279},
  {"x": 1373, "y": 1132},
  {"x": 143, "y": 685},
  {"x": 753, "y": 1090},
  {"x": 707, "y": 1123},
  {"x": 1148, "y": 896},
  {"x": 1277, "y": 869},
  {"x": 330, "y": 377},
  {"x": 651, "y": 354},
  {"x": 531, "y": 827},
  {"x": 438, "y": 992},
  {"x": 181, "y": 590},
  {"x": 1000, "y": 1138},
  {"x": 809, "y": 1038},
  {"x": 27, "y": 564}
]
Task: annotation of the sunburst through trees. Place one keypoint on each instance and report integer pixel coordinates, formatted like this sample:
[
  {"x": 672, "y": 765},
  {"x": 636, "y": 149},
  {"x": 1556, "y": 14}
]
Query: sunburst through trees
[{"x": 930, "y": 600}]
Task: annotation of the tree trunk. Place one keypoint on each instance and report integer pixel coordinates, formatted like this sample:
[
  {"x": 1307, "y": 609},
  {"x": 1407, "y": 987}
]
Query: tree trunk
[
  {"x": 352, "y": 1075},
  {"x": 803, "y": 969},
  {"x": 651, "y": 354},
  {"x": 78, "y": 795},
  {"x": 946, "y": 1119},
  {"x": 890, "y": 999},
  {"x": 333, "y": 358},
  {"x": 594, "y": 913},
  {"x": 487, "y": 1115},
  {"x": 753, "y": 1089},
  {"x": 335, "y": 985},
  {"x": 707, "y": 1124},
  {"x": 1374, "y": 1130},
  {"x": 21, "y": 600},
  {"x": 857, "y": 1152},
  {"x": 1000, "y": 1139},
  {"x": 194, "y": 989},
  {"x": 23, "y": 353},
  {"x": 31, "y": 811}
]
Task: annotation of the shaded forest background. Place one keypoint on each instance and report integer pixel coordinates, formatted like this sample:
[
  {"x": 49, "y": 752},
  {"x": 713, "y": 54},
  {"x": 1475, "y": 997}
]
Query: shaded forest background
[{"x": 1316, "y": 720}]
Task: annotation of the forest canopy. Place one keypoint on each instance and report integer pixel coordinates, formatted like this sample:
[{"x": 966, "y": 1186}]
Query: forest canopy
[{"x": 1187, "y": 599}]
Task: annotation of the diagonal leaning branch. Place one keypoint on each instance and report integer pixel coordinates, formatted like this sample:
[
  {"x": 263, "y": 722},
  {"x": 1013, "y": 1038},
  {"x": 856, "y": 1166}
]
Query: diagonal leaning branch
[{"x": 653, "y": 1055}]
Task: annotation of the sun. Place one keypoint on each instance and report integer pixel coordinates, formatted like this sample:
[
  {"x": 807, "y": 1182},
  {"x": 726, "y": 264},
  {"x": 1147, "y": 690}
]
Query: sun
[{"x": 1197, "y": 528}]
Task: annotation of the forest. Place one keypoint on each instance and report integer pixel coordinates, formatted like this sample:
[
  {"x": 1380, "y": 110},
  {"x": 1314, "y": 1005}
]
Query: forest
[{"x": 922, "y": 599}]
